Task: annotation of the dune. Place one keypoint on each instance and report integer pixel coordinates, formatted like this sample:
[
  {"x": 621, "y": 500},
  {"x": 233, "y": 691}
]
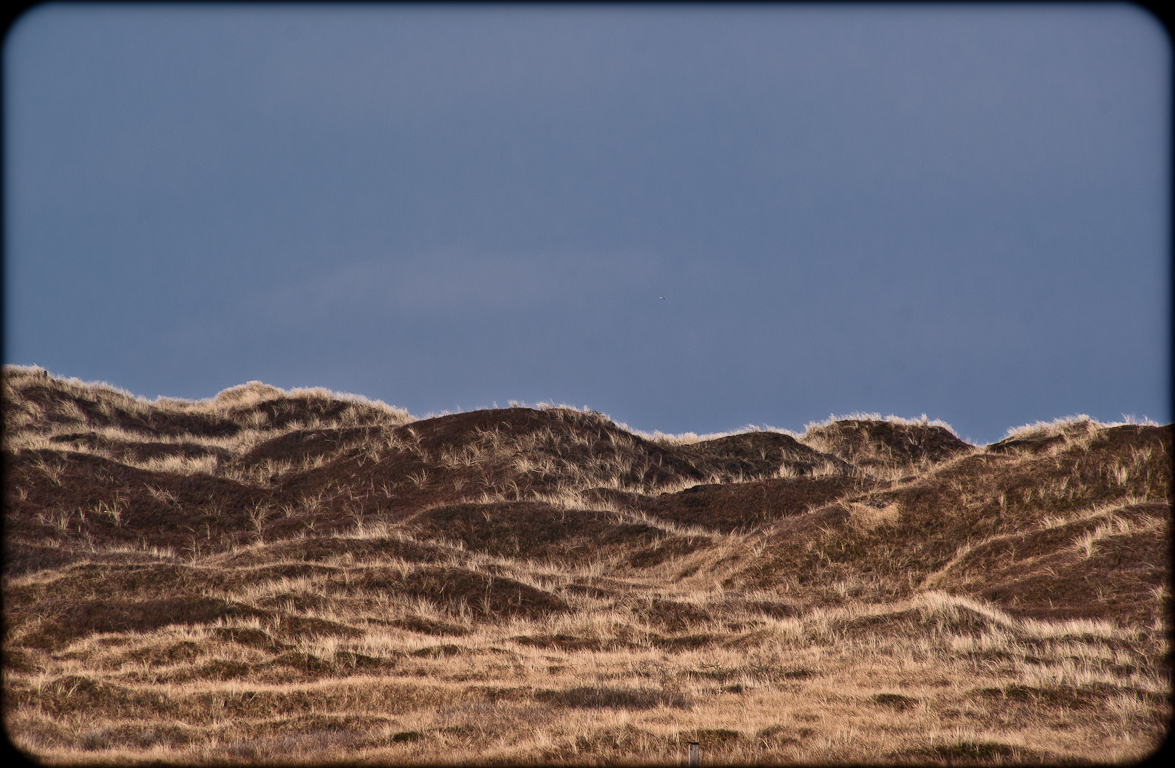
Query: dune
[{"x": 294, "y": 577}]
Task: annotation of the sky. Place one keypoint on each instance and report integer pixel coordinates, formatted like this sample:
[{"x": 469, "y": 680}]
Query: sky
[{"x": 691, "y": 218}]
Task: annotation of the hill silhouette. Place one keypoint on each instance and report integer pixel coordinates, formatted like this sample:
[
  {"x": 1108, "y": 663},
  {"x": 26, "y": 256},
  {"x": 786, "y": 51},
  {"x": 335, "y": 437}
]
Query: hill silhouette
[{"x": 304, "y": 576}]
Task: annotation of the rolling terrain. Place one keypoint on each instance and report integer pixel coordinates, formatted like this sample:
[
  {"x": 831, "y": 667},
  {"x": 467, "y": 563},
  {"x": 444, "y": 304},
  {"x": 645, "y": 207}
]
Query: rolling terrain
[{"x": 306, "y": 577}]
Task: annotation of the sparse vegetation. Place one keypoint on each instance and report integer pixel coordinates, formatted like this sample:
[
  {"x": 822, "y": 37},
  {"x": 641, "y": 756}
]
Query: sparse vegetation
[{"x": 305, "y": 577}]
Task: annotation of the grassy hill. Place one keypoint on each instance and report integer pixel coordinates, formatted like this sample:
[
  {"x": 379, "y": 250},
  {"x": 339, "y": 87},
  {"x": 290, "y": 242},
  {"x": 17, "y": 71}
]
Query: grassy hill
[{"x": 289, "y": 577}]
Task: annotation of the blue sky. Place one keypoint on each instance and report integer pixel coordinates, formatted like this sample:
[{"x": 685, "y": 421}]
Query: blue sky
[{"x": 961, "y": 211}]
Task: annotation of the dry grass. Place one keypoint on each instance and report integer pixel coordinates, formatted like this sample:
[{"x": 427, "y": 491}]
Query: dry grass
[{"x": 302, "y": 577}]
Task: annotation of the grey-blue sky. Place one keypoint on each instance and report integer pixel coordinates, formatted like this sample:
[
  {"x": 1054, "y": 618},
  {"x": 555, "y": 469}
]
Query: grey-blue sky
[{"x": 960, "y": 210}]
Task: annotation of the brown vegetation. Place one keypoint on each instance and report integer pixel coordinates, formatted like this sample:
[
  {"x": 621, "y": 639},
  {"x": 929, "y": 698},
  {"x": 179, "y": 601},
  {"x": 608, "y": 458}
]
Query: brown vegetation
[{"x": 305, "y": 577}]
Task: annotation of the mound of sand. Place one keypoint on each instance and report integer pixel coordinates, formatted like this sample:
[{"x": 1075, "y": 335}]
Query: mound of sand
[{"x": 181, "y": 575}]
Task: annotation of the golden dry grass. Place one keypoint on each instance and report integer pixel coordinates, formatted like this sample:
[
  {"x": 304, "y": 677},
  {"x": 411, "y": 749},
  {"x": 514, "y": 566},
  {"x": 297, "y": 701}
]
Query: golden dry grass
[{"x": 301, "y": 577}]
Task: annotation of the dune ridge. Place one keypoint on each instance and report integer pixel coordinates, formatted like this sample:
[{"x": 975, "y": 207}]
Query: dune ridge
[{"x": 306, "y": 577}]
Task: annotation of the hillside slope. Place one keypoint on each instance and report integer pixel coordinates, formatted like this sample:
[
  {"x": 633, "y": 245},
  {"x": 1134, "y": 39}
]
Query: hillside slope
[{"x": 288, "y": 576}]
